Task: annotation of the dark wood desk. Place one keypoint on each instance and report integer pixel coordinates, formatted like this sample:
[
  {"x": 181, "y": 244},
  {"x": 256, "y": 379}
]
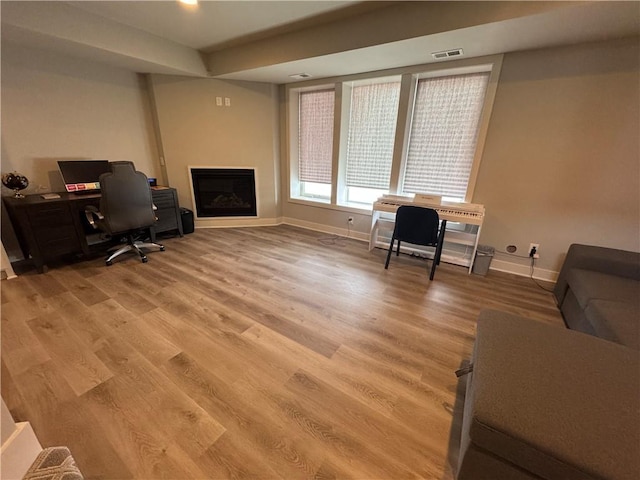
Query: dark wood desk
[{"x": 49, "y": 229}]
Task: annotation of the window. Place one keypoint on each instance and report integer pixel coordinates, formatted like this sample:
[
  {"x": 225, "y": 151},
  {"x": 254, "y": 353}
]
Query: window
[
  {"x": 370, "y": 139},
  {"x": 408, "y": 130},
  {"x": 444, "y": 130},
  {"x": 315, "y": 142}
]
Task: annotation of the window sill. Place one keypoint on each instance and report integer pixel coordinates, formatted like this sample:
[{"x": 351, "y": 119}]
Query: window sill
[
  {"x": 356, "y": 206},
  {"x": 323, "y": 203},
  {"x": 310, "y": 200}
]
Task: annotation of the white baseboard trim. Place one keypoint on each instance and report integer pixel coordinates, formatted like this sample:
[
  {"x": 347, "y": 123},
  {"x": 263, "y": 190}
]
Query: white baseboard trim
[
  {"x": 7, "y": 269},
  {"x": 318, "y": 227},
  {"x": 524, "y": 270},
  {"x": 8, "y": 273},
  {"x": 236, "y": 222},
  {"x": 19, "y": 451}
]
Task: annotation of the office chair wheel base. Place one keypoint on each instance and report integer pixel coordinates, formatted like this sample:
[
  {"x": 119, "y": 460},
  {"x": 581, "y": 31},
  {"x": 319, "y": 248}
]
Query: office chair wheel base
[
  {"x": 144, "y": 259},
  {"x": 109, "y": 263}
]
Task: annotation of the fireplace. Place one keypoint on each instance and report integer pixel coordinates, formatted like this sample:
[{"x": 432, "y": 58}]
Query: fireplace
[{"x": 224, "y": 192}]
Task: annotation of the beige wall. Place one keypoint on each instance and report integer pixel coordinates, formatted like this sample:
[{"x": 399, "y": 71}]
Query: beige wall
[
  {"x": 561, "y": 163},
  {"x": 195, "y": 131},
  {"x": 56, "y": 107}
]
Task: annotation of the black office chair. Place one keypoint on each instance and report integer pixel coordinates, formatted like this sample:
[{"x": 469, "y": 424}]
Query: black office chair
[
  {"x": 419, "y": 226},
  {"x": 126, "y": 209}
]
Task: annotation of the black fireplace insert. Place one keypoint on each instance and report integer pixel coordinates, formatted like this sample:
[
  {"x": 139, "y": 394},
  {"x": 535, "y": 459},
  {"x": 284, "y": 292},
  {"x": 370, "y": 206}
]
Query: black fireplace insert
[{"x": 224, "y": 192}]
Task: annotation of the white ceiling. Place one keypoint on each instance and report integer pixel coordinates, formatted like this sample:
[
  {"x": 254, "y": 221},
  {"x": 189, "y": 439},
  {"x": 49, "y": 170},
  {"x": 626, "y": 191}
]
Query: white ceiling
[
  {"x": 210, "y": 23},
  {"x": 166, "y": 37}
]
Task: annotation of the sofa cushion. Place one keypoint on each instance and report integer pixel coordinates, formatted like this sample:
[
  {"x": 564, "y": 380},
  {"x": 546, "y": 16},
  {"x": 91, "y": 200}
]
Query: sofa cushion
[
  {"x": 616, "y": 321},
  {"x": 556, "y": 402},
  {"x": 573, "y": 315},
  {"x": 589, "y": 285},
  {"x": 620, "y": 263}
]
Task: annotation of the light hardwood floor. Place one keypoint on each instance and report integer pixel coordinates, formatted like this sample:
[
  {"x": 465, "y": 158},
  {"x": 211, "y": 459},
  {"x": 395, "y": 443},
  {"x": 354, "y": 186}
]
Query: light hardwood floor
[{"x": 250, "y": 353}]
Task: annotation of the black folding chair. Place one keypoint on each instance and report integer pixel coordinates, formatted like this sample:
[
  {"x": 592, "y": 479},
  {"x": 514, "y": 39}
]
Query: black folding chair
[{"x": 418, "y": 226}]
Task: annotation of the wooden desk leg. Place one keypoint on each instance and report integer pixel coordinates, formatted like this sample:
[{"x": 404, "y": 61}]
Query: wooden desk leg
[{"x": 40, "y": 265}]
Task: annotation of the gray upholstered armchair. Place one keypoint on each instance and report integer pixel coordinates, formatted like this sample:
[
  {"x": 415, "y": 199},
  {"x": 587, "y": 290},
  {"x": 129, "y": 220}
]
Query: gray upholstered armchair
[{"x": 126, "y": 209}]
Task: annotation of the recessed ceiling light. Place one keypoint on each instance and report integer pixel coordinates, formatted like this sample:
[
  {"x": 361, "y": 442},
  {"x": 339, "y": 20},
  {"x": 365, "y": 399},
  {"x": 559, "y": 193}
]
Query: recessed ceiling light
[{"x": 300, "y": 75}]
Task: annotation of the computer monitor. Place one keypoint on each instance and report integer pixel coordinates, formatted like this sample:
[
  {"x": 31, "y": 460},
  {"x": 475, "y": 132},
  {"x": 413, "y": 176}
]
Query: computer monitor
[{"x": 82, "y": 175}]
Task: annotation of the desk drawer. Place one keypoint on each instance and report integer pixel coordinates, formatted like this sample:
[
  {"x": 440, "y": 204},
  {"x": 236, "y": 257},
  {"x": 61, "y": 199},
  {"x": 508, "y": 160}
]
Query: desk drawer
[
  {"x": 166, "y": 220},
  {"x": 164, "y": 199},
  {"x": 54, "y": 241},
  {"x": 49, "y": 215}
]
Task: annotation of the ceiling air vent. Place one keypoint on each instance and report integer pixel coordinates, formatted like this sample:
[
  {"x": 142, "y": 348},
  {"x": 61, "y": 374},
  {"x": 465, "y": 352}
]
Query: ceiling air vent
[
  {"x": 300, "y": 76},
  {"x": 456, "y": 52}
]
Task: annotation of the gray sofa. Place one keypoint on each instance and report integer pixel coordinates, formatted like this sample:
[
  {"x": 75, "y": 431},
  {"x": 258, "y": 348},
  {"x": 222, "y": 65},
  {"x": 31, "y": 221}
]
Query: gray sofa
[
  {"x": 545, "y": 402},
  {"x": 598, "y": 292},
  {"x": 553, "y": 403}
]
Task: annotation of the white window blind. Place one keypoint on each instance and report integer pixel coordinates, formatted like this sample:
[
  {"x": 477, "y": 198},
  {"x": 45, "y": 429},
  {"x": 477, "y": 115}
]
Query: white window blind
[
  {"x": 372, "y": 129},
  {"x": 443, "y": 134},
  {"x": 315, "y": 136}
]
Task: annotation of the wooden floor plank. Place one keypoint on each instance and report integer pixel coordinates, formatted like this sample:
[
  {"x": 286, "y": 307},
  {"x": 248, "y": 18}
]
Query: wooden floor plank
[
  {"x": 76, "y": 361},
  {"x": 85, "y": 321},
  {"x": 142, "y": 335},
  {"x": 124, "y": 419},
  {"x": 398, "y": 444},
  {"x": 21, "y": 349},
  {"x": 270, "y": 352},
  {"x": 84, "y": 288},
  {"x": 17, "y": 291},
  {"x": 59, "y": 417},
  {"x": 181, "y": 420},
  {"x": 363, "y": 388},
  {"x": 47, "y": 285},
  {"x": 273, "y": 317},
  {"x": 233, "y": 457},
  {"x": 278, "y": 448},
  {"x": 355, "y": 453}
]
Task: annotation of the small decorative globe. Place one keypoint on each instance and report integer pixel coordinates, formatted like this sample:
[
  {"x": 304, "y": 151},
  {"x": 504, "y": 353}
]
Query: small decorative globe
[{"x": 16, "y": 182}]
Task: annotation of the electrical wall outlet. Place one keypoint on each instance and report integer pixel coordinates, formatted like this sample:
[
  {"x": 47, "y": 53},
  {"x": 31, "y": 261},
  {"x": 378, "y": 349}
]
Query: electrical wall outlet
[
  {"x": 350, "y": 220},
  {"x": 534, "y": 250}
]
